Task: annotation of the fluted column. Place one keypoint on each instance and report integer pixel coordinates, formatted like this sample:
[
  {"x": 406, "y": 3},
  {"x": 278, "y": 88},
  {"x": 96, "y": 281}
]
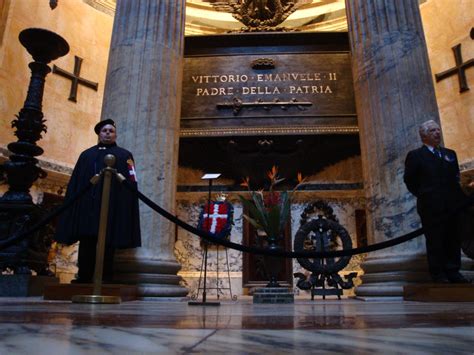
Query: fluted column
[
  {"x": 142, "y": 94},
  {"x": 394, "y": 94}
]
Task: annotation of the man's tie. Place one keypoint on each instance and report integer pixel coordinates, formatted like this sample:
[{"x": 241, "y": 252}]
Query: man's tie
[{"x": 437, "y": 152}]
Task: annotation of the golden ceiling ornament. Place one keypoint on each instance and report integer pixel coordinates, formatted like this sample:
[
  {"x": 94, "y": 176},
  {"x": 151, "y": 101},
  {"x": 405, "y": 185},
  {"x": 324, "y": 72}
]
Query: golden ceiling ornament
[{"x": 259, "y": 15}]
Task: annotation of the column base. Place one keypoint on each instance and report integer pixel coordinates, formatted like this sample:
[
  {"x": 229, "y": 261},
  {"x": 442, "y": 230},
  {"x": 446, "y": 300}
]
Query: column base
[
  {"x": 153, "y": 278},
  {"x": 385, "y": 276}
]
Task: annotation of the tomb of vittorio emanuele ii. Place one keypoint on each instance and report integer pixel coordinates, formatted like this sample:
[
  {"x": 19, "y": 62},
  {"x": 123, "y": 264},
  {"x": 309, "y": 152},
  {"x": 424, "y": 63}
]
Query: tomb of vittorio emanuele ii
[{"x": 335, "y": 91}]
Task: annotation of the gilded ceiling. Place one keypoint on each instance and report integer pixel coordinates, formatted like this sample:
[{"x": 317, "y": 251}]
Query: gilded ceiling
[{"x": 214, "y": 16}]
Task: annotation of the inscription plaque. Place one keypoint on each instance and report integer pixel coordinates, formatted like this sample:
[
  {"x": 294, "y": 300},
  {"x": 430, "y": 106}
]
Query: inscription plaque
[
  {"x": 322, "y": 79},
  {"x": 270, "y": 89}
]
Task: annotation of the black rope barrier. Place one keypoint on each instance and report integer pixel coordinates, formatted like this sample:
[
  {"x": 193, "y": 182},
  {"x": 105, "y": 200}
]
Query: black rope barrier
[
  {"x": 224, "y": 242},
  {"x": 17, "y": 238},
  {"x": 287, "y": 254}
]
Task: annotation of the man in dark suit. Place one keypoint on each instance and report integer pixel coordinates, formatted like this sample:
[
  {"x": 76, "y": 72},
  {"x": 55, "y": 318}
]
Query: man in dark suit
[
  {"x": 81, "y": 222},
  {"x": 432, "y": 175}
]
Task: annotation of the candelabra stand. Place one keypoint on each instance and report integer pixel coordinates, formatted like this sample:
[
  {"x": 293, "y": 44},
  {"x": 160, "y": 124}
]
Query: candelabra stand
[{"x": 21, "y": 170}]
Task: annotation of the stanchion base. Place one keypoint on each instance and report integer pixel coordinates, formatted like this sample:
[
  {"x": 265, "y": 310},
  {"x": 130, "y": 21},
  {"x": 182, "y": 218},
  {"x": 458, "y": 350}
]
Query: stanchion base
[
  {"x": 65, "y": 292},
  {"x": 197, "y": 303},
  {"x": 96, "y": 299}
]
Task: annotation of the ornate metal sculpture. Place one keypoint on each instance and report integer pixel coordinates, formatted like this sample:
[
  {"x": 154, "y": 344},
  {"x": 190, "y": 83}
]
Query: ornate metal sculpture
[
  {"x": 259, "y": 15},
  {"x": 17, "y": 210},
  {"x": 324, "y": 233},
  {"x": 21, "y": 169},
  {"x": 237, "y": 104}
]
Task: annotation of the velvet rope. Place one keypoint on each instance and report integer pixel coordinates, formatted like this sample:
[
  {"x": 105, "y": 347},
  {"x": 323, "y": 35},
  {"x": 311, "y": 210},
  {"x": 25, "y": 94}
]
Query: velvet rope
[
  {"x": 298, "y": 254},
  {"x": 17, "y": 238}
]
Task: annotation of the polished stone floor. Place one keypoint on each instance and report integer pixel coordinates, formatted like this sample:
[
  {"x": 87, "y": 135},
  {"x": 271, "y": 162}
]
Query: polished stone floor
[{"x": 33, "y": 326}]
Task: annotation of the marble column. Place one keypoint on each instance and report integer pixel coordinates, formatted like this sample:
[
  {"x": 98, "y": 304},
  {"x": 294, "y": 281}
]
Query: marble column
[
  {"x": 394, "y": 94},
  {"x": 142, "y": 94}
]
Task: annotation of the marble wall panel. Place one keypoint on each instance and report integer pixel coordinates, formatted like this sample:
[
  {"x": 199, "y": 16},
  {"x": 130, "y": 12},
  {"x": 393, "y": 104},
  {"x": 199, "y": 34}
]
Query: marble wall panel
[
  {"x": 188, "y": 249},
  {"x": 447, "y": 23},
  {"x": 69, "y": 124},
  {"x": 64, "y": 262}
]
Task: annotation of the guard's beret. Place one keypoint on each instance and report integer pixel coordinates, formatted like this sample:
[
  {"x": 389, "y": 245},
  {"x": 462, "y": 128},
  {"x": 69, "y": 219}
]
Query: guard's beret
[{"x": 101, "y": 124}]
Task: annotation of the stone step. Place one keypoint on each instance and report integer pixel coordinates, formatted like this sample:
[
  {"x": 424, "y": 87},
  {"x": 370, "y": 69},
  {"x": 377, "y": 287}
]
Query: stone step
[
  {"x": 272, "y": 290},
  {"x": 439, "y": 292},
  {"x": 273, "y": 295}
]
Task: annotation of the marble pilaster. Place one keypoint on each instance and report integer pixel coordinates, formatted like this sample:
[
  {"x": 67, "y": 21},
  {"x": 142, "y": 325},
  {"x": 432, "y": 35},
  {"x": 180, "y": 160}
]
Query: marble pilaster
[
  {"x": 142, "y": 94},
  {"x": 394, "y": 94}
]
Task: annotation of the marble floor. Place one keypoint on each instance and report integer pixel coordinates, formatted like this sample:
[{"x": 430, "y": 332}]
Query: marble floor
[{"x": 34, "y": 326}]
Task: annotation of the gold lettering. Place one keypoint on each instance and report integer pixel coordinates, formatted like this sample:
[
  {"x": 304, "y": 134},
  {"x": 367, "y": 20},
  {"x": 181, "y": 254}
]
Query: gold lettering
[
  {"x": 215, "y": 91},
  {"x": 203, "y": 92},
  {"x": 259, "y": 90}
]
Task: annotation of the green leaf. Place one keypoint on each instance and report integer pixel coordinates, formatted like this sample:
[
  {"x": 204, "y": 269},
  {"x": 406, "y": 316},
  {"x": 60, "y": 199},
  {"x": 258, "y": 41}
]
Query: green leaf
[
  {"x": 254, "y": 212},
  {"x": 260, "y": 211},
  {"x": 253, "y": 222},
  {"x": 285, "y": 209}
]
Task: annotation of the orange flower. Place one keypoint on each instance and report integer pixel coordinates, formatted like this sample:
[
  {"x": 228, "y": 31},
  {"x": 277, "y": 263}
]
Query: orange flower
[
  {"x": 300, "y": 178},
  {"x": 272, "y": 174},
  {"x": 245, "y": 182}
]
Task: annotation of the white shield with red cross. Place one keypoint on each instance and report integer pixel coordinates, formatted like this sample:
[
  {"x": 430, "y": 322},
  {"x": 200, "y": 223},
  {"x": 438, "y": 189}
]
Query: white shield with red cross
[{"x": 216, "y": 218}]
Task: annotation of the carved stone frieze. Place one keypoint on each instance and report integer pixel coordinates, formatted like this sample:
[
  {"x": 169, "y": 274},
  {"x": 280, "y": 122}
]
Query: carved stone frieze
[{"x": 260, "y": 15}]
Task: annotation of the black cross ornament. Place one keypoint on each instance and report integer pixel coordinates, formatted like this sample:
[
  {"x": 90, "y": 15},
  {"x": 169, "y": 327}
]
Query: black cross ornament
[
  {"x": 76, "y": 80},
  {"x": 459, "y": 69}
]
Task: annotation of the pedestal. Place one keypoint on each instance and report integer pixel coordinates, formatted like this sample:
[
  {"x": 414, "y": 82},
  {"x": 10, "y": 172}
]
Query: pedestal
[
  {"x": 439, "y": 293},
  {"x": 273, "y": 295},
  {"x": 25, "y": 285}
]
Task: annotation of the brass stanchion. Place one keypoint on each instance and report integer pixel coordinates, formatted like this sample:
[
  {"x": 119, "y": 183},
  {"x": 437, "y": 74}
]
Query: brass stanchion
[{"x": 97, "y": 297}]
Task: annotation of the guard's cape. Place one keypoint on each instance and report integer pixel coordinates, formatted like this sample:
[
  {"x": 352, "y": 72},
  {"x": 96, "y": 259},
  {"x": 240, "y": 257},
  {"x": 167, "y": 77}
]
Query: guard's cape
[{"x": 82, "y": 220}]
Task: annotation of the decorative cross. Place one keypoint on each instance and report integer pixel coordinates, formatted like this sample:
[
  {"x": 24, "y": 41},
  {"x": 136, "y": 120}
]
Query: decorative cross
[
  {"x": 75, "y": 78},
  {"x": 212, "y": 218},
  {"x": 459, "y": 69}
]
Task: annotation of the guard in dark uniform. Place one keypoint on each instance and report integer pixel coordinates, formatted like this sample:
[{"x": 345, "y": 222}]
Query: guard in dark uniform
[
  {"x": 81, "y": 222},
  {"x": 432, "y": 175}
]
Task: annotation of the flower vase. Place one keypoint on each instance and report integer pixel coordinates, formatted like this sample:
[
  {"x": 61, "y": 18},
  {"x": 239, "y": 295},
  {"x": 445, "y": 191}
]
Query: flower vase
[{"x": 272, "y": 263}]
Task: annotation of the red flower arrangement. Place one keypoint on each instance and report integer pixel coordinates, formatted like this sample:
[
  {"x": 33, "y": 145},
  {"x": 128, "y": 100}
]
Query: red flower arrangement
[{"x": 269, "y": 210}]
